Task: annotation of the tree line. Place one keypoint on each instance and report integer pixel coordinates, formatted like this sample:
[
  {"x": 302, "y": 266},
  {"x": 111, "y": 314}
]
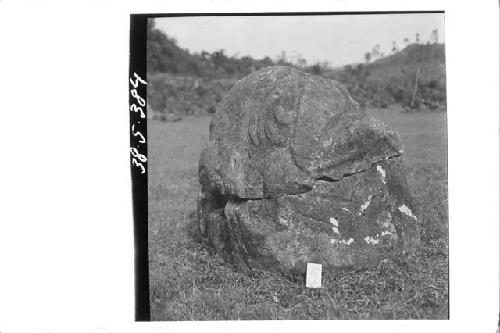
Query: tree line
[{"x": 165, "y": 56}]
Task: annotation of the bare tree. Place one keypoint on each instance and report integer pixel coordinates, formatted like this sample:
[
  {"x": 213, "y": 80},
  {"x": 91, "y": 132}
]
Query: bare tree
[
  {"x": 368, "y": 56},
  {"x": 414, "y": 93},
  {"x": 282, "y": 58},
  {"x": 434, "y": 39},
  {"x": 394, "y": 47},
  {"x": 376, "y": 52},
  {"x": 419, "y": 56}
]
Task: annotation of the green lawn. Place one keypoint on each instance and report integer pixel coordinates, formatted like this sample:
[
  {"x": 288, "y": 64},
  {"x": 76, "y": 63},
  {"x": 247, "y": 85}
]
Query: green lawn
[{"x": 189, "y": 283}]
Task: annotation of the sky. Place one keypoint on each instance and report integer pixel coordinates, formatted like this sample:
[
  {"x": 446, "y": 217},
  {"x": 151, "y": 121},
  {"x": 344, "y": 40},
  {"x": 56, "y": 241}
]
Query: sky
[{"x": 338, "y": 39}]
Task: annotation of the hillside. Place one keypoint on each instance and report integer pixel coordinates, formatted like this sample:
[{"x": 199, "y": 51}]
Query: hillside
[
  {"x": 430, "y": 53},
  {"x": 164, "y": 55},
  {"x": 393, "y": 79},
  {"x": 181, "y": 82}
]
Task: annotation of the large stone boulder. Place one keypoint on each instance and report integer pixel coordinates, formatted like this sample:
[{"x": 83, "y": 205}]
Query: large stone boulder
[{"x": 294, "y": 172}]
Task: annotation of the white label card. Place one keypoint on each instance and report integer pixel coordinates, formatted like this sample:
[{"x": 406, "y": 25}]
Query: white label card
[{"x": 313, "y": 275}]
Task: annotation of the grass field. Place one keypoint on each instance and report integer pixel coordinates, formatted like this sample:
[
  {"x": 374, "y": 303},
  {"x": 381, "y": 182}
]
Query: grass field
[{"x": 189, "y": 283}]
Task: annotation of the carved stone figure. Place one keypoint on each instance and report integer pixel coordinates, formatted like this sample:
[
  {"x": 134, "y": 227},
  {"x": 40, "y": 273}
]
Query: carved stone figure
[{"x": 294, "y": 172}]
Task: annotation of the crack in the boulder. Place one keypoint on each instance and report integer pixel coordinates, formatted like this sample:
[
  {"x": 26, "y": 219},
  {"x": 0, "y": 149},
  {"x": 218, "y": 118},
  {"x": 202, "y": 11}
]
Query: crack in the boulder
[
  {"x": 223, "y": 199},
  {"x": 327, "y": 179},
  {"x": 349, "y": 174}
]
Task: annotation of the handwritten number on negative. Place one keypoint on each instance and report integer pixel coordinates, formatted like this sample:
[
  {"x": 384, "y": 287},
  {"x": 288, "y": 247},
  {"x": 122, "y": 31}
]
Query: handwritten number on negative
[
  {"x": 139, "y": 134},
  {"x": 139, "y": 99},
  {"x": 138, "y": 155},
  {"x": 138, "y": 158},
  {"x": 134, "y": 162},
  {"x": 137, "y": 80},
  {"x": 135, "y": 108}
]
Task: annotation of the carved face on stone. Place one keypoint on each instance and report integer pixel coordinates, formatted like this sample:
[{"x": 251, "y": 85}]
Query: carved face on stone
[{"x": 278, "y": 136}]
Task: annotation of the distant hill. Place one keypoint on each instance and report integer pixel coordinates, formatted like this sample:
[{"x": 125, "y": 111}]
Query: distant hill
[
  {"x": 430, "y": 53},
  {"x": 392, "y": 79},
  {"x": 182, "y": 82},
  {"x": 165, "y": 56}
]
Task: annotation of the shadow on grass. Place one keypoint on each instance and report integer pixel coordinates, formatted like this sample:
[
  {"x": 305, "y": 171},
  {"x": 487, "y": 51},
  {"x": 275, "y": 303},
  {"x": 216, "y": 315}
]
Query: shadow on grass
[{"x": 192, "y": 227}]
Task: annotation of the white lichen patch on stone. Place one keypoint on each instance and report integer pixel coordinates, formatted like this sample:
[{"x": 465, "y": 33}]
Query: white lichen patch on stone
[
  {"x": 371, "y": 240},
  {"x": 335, "y": 224},
  {"x": 365, "y": 204},
  {"x": 382, "y": 172},
  {"x": 407, "y": 211},
  {"x": 347, "y": 242},
  {"x": 343, "y": 241}
]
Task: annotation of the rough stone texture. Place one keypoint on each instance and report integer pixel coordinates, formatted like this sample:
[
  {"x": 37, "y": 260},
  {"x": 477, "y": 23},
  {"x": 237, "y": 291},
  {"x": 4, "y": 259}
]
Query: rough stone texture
[{"x": 294, "y": 172}]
